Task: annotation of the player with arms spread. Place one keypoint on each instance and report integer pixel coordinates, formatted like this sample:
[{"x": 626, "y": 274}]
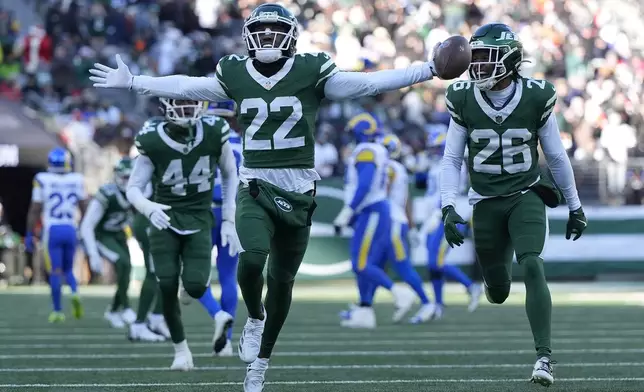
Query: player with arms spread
[
  {"x": 501, "y": 118},
  {"x": 278, "y": 94},
  {"x": 180, "y": 155}
]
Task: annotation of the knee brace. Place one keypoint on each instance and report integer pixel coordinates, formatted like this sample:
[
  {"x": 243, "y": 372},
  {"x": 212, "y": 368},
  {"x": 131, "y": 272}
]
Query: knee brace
[{"x": 497, "y": 294}]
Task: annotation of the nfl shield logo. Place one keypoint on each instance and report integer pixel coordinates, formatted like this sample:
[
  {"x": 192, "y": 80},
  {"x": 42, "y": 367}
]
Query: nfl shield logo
[{"x": 499, "y": 119}]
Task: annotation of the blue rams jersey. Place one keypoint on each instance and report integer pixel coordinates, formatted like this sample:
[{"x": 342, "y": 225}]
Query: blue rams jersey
[
  {"x": 367, "y": 153},
  {"x": 235, "y": 143},
  {"x": 59, "y": 194}
]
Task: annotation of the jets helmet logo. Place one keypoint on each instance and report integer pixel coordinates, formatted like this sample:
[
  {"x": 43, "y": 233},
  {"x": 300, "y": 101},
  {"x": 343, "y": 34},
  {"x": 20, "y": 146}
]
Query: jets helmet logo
[{"x": 283, "y": 204}]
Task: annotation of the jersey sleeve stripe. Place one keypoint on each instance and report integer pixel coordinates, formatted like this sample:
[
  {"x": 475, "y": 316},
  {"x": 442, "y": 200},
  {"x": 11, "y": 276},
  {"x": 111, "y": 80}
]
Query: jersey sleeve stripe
[
  {"x": 326, "y": 65},
  {"x": 551, "y": 100},
  {"x": 328, "y": 75},
  {"x": 366, "y": 156},
  {"x": 453, "y": 113},
  {"x": 547, "y": 113},
  {"x": 225, "y": 137},
  {"x": 100, "y": 196}
]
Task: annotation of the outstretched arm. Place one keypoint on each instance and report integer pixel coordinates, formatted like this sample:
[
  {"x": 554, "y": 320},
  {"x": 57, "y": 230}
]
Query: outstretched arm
[
  {"x": 450, "y": 172},
  {"x": 348, "y": 85},
  {"x": 93, "y": 215},
  {"x": 559, "y": 162},
  {"x": 229, "y": 181}
]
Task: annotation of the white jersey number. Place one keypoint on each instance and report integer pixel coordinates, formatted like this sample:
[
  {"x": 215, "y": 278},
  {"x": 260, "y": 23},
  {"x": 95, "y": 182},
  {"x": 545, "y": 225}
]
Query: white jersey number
[
  {"x": 508, "y": 150},
  {"x": 199, "y": 175},
  {"x": 280, "y": 140}
]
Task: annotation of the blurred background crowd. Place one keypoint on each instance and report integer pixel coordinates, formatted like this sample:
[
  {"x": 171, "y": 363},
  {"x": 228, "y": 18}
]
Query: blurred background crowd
[{"x": 592, "y": 50}]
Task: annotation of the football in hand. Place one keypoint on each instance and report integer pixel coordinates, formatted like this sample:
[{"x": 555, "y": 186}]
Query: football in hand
[{"x": 452, "y": 57}]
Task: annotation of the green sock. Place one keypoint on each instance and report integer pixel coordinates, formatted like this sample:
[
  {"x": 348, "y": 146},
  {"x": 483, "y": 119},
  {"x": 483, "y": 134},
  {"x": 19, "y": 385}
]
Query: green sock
[
  {"x": 148, "y": 292},
  {"x": 123, "y": 282},
  {"x": 251, "y": 281},
  {"x": 158, "y": 305},
  {"x": 171, "y": 309},
  {"x": 538, "y": 304}
]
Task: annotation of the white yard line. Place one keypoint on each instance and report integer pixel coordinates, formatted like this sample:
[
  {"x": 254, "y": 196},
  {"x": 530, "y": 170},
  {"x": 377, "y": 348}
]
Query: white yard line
[
  {"x": 389, "y": 353},
  {"x": 334, "y": 382},
  {"x": 311, "y": 343},
  {"x": 334, "y": 334},
  {"x": 314, "y": 367}
]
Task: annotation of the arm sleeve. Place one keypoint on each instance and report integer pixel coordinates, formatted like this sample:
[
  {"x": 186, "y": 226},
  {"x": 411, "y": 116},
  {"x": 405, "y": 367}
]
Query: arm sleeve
[
  {"x": 450, "y": 171},
  {"x": 180, "y": 87},
  {"x": 139, "y": 179},
  {"x": 229, "y": 182},
  {"x": 366, "y": 172},
  {"x": 349, "y": 85},
  {"x": 559, "y": 162},
  {"x": 92, "y": 216}
]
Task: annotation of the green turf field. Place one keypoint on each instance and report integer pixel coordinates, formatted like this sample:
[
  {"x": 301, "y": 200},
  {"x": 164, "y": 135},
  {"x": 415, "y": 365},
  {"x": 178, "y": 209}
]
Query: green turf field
[{"x": 598, "y": 348}]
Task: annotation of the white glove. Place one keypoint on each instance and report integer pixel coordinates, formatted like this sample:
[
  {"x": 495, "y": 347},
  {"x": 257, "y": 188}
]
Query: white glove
[
  {"x": 343, "y": 219},
  {"x": 154, "y": 212},
  {"x": 95, "y": 263},
  {"x": 107, "y": 77},
  {"x": 229, "y": 238}
]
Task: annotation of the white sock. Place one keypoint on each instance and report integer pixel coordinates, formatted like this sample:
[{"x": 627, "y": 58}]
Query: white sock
[{"x": 181, "y": 346}]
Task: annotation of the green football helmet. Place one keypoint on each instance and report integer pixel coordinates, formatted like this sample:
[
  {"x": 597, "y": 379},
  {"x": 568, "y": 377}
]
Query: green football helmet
[
  {"x": 496, "y": 54},
  {"x": 122, "y": 172},
  {"x": 270, "y": 33}
]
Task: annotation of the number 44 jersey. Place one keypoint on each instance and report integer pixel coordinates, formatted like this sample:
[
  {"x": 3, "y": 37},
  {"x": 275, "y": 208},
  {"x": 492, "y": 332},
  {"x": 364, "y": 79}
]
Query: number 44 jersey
[
  {"x": 277, "y": 112},
  {"x": 184, "y": 171},
  {"x": 502, "y": 142}
]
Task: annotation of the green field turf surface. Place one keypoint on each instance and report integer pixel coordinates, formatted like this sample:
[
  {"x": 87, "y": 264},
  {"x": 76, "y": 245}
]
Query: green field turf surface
[{"x": 598, "y": 343}]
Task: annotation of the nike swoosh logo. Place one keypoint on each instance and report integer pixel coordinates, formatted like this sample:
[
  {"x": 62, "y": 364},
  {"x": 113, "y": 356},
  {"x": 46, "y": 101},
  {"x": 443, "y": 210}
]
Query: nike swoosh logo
[{"x": 582, "y": 222}]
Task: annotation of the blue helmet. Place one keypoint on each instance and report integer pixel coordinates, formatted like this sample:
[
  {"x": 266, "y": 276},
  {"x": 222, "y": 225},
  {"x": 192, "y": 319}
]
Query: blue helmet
[
  {"x": 393, "y": 146},
  {"x": 436, "y": 140},
  {"x": 222, "y": 108},
  {"x": 60, "y": 160},
  {"x": 366, "y": 127}
]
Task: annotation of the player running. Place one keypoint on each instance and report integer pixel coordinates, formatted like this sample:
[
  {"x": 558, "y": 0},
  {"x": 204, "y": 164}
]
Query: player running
[
  {"x": 57, "y": 194},
  {"x": 226, "y": 260},
  {"x": 436, "y": 245},
  {"x": 501, "y": 118},
  {"x": 368, "y": 211},
  {"x": 278, "y": 94},
  {"x": 103, "y": 233},
  {"x": 180, "y": 155}
]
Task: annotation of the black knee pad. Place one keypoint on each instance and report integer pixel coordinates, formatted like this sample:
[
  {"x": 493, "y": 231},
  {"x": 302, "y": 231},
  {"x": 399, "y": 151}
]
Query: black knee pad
[
  {"x": 497, "y": 294},
  {"x": 251, "y": 263},
  {"x": 436, "y": 273},
  {"x": 195, "y": 289}
]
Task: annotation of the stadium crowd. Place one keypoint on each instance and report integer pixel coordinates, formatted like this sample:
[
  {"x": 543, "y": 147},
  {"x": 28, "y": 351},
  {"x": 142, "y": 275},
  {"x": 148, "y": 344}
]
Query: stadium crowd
[{"x": 592, "y": 50}]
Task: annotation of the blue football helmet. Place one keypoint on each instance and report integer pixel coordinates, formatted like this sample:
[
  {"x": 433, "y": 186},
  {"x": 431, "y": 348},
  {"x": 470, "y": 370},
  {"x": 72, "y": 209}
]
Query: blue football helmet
[
  {"x": 222, "y": 109},
  {"x": 393, "y": 146},
  {"x": 436, "y": 140},
  {"x": 60, "y": 160},
  {"x": 365, "y": 127}
]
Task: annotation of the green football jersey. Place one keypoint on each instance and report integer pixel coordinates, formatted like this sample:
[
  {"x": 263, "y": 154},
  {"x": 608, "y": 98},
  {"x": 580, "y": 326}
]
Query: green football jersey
[
  {"x": 118, "y": 211},
  {"x": 277, "y": 114},
  {"x": 184, "y": 170},
  {"x": 502, "y": 143}
]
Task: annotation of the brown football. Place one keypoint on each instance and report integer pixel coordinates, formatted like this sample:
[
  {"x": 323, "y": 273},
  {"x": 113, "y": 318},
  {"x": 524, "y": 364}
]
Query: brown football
[{"x": 452, "y": 57}]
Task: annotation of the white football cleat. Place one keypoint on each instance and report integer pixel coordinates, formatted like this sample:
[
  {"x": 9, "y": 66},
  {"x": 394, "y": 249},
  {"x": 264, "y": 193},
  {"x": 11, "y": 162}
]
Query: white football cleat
[
  {"x": 255, "y": 375},
  {"x": 128, "y": 316},
  {"x": 139, "y": 332},
  {"x": 425, "y": 313},
  {"x": 157, "y": 324},
  {"x": 223, "y": 323},
  {"x": 114, "y": 318},
  {"x": 182, "y": 357},
  {"x": 227, "y": 351},
  {"x": 475, "y": 292},
  {"x": 251, "y": 339},
  {"x": 360, "y": 317},
  {"x": 543, "y": 372},
  {"x": 404, "y": 299}
]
